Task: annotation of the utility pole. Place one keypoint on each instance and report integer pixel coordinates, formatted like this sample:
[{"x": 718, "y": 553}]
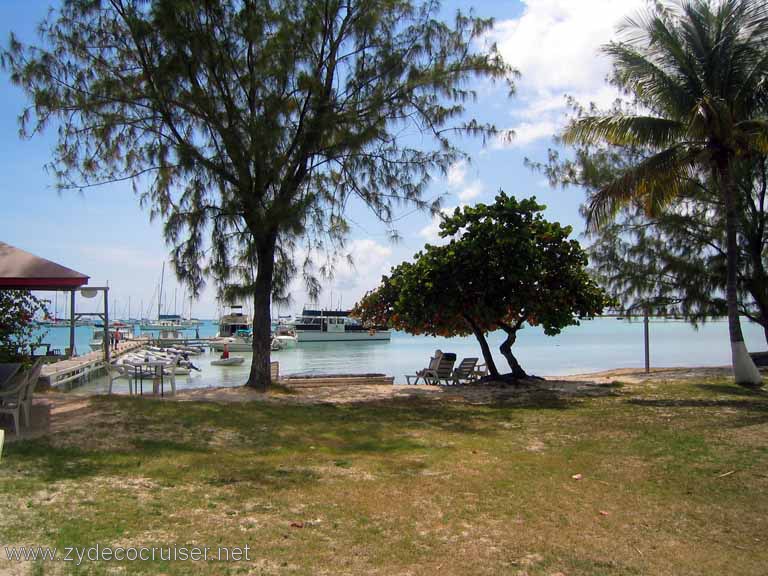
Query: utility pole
[{"x": 646, "y": 334}]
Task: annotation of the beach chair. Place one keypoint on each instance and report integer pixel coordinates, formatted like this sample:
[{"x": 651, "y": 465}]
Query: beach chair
[
  {"x": 174, "y": 362},
  {"x": 444, "y": 370},
  {"x": 464, "y": 372},
  {"x": 12, "y": 399},
  {"x": 126, "y": 369},
  {"x": 33, "y": 376},
  {"x": 433, "y": 362},
  {"x": 481, "y": 370}
]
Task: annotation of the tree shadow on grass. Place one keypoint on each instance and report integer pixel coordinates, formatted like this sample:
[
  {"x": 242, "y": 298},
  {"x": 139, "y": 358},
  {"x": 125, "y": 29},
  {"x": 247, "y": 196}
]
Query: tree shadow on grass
[
  {"x": 700, "y": 403},
  {"x": 732, "y": 390},
  {"x": 742, "y": 413},
  {"x": 261, "y": 443}
]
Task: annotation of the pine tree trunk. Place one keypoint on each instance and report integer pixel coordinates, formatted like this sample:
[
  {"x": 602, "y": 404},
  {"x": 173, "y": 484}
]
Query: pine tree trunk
[
  {"x": 259, "y": 377},
  {"x": 744, "y": 370},
  {"x": 486, "y": 350}
]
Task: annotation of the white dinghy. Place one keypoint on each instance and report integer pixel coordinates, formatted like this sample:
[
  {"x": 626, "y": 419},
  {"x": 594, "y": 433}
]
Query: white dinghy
[{"x": 231, "y": 361}]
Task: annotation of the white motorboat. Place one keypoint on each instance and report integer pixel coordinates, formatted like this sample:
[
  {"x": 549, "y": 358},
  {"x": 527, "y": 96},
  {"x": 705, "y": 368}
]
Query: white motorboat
[
  {"x": 234, "y": 322},
  {"x": 169, "y": 323},
  {"x": 97, "y": 341},
  {"x": 231, "y": 361},
  {"x": 233, "y": 344},
  {"x": 335, "y": 326},
  {"x": 284, "y": 340}
]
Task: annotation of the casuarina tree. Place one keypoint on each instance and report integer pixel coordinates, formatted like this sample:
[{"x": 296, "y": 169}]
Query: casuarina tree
[
  {"x": 503, "y": 266},
  {"x": 699, "y": 70},
  {"x": 249, "y": 125}
]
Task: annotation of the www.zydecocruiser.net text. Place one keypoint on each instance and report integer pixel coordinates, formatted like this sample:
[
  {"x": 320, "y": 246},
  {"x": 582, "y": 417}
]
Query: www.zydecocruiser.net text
[{"x": 78, "y": 555}]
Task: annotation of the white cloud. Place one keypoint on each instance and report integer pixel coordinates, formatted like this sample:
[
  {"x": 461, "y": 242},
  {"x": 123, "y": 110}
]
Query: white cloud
[
  {"x": 457, "y": 173},
  {"x": 555, "y": 43},
  {"x": 431, "y": 232},
  {"x": 370, "y": 260},
  {"x": 458, "y": 183},
  {"x": 526, "y": 133},
  {"x": 472, "y": 190},
  {"x": 556, "y": 46}
]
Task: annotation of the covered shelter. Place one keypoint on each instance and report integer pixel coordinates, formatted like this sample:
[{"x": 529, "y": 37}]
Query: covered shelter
[{"x": 21, "y": 270}]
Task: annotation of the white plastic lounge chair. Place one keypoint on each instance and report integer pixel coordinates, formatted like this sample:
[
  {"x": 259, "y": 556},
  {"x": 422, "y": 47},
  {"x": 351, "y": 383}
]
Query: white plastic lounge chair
[
  {"x": 12, "y": 399},
  {"x": 433, "y": 362},
  {"x": 174, "y": 363},
  {"x": 444, "y": 370},
  {"x": 118, "y": 370},
  {"x": 33, "y": 376}
]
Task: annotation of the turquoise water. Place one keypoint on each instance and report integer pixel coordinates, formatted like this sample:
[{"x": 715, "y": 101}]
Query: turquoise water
[{"x": 600, "y": 344}]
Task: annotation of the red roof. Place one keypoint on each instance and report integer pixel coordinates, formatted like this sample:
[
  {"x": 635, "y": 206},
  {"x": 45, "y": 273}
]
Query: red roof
[{"x": 20, "y": 270}]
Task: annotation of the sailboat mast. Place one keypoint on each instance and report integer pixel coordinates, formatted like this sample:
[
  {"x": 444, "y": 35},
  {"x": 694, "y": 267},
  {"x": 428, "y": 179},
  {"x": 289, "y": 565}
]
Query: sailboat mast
[{"x": 160, "y": 296}]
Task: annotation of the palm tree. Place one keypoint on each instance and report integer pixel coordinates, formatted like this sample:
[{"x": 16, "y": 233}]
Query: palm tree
[{"x": 698, "y": 70}]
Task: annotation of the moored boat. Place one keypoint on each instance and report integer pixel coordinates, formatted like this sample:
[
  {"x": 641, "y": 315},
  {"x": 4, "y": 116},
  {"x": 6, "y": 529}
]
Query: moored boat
[
  {"x": 335, "y": 326},
  {"x": 97, "y": 341},
  {"x": 239, "y": 343},
  {"x": 233, "y": 322},
  {"x": 231, "y": 361}
]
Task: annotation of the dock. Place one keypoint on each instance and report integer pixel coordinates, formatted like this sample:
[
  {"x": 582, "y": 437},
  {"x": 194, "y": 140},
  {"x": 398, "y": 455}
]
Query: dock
[
  {"x": 83, "y": 367},
  {"x": 307, "y": 381}
]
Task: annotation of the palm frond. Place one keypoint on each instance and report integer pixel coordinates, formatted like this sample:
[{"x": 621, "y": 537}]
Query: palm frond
[
  {"x": 625, "y": 130},
  {"x": 755, "y": 135},
  {"x": 657, "y": 89},
  {"x": 654, "y": 183},
  {"x": 666, "y": 47}
]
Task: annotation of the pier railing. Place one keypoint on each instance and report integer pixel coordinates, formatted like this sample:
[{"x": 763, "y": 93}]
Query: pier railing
[{"x": 83, "y": 368}]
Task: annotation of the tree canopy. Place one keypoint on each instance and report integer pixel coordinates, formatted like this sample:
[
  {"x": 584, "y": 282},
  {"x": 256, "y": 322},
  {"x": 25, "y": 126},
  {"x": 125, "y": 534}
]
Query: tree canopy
[
  {"x": 698, "y": 70},
  {"x": 17, "y": 324},
  {"x": 674, "y": 261},
  {"x": 503, "y": 266},
  {"x": 249, "y": 125}
]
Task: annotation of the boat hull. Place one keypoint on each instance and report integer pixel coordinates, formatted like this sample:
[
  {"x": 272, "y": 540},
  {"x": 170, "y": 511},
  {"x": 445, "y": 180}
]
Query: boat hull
[
  {"x": 231, "y": 361},
  {"x": 356, "y": 336},
  {"x": 232, "y": 345}
]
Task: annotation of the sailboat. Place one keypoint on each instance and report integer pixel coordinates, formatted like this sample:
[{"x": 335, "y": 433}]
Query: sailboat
[{"x": 168, "y": 323}]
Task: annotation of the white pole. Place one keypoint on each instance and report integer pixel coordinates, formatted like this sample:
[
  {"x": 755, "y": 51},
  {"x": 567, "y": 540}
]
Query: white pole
[{"x": 647, "y": 342}]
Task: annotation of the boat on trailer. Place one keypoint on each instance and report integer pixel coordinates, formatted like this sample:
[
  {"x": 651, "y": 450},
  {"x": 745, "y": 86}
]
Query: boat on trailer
[{"x": 336, "y": 326}]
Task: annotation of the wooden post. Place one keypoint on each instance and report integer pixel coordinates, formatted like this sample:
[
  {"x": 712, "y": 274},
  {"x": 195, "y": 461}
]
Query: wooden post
[
  {"x": 72, "y": 324},
  {"x": 107, "y": 349},
  {"x": 647, "y": 342}
]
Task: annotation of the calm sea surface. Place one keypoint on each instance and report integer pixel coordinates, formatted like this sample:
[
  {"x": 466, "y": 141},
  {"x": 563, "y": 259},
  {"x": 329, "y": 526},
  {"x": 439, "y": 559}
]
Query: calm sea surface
[{"x": 599, "y": 344}]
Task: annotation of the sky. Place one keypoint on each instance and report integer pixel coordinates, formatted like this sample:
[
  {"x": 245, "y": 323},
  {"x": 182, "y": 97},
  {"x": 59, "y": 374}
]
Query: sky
[{"x": 104, "y": 233}]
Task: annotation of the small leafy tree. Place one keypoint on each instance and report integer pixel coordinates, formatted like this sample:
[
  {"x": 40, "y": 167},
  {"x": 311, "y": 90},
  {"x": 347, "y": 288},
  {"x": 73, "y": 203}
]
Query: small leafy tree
[
  {"x": 249, "y": 125},
  {"x": 504, "y": 266},
  {"x": 17, "y": 326}
]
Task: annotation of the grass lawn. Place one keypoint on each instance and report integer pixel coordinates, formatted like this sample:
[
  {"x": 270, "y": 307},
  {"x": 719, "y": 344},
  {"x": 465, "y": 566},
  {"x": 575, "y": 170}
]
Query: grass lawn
[{"x": 674, "y": 480}]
